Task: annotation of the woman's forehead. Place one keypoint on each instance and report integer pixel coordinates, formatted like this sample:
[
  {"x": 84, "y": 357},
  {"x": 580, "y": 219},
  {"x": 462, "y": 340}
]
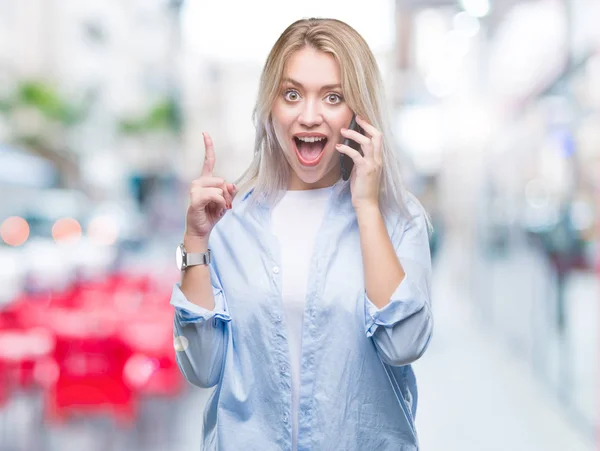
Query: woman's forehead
[{"x": 312, "y": 69}]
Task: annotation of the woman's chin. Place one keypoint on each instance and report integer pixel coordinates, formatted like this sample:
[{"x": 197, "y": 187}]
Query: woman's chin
[{"x": 315, "y": 176}]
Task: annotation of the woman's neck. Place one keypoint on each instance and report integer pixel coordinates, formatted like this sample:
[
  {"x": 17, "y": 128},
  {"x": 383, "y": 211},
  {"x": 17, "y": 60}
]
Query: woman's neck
[{"x": 297, "y": 184}]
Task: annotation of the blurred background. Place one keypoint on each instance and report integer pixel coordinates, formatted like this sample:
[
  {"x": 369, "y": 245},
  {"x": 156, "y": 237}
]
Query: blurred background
[{"x": 495, "y": 106}]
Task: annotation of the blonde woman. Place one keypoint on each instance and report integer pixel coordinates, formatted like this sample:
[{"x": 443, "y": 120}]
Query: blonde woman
[{"x": 306, "y": 301}]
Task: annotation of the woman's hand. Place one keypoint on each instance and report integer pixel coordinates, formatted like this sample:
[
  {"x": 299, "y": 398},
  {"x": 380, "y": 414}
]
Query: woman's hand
[
  {"x": 210, "y": 198},
  {"x": 366, "y": 174}
]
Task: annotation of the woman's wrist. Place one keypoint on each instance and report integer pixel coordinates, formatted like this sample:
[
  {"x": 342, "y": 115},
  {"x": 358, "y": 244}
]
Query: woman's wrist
[
  {"x": 367, "y": 211},
  {"x": 194, "y": 243}
]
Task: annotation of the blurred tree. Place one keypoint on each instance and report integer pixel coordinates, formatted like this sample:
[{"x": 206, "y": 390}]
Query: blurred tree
[
  {"x": 158, "y": 129},
  {"x": 40, "y": 119},
  {"x": 43, "y": 97},
  {"x": 163, "y": 116}
]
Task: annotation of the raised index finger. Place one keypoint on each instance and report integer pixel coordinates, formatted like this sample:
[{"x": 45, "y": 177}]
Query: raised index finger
[{"x": 209, "y": 155}]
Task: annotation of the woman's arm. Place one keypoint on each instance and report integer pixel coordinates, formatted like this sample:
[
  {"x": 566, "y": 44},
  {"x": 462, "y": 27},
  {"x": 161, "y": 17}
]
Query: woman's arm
[
  {"x": 382, "y": 268},
  {"x": 200, "y": 323},
  {"x": 195, "y": 282},
  {"x": 397, "y": 280},
  {"x": 397, "y": 271}
]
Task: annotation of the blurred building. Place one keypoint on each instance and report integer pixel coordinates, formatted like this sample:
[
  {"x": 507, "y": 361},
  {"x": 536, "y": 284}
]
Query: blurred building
[
  {"x": 499, "y": 104},
  {"x": 116, "y": 63}
]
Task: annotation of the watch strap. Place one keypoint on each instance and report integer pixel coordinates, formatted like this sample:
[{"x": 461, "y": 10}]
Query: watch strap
[{"x": 200, "y": 258}]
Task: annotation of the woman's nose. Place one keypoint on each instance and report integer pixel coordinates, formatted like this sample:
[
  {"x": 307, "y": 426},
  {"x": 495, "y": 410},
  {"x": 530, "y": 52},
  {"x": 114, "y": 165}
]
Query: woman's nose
[{"x": 310, "y": 115}]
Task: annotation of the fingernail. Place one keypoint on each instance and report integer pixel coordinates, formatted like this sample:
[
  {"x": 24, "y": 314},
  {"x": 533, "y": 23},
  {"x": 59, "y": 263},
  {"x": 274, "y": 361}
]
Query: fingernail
[
  {"x": 344, "y": 129},
  {"x": 222, "y": 213},
  {"x": 235, "y": 188},
  {"x": 338, "y": 145}
]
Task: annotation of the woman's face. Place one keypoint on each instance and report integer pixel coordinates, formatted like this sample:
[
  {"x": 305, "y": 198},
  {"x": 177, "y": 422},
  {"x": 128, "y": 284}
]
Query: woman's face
[{"x": 307, "y": 115}]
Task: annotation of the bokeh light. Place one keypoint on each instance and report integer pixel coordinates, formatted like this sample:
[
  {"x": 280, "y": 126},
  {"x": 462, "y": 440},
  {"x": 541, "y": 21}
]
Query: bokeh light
[
  {"x": 66, "y": 229},
  {"x": 103, "y": 230},
  {"x": 14, "y": 231},
  {"x": 139, "y": 369},
  {"x": 180, "y": 343}
]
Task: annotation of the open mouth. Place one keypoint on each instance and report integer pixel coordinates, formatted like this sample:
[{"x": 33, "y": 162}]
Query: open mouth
[{"x": 310, "y": 150}]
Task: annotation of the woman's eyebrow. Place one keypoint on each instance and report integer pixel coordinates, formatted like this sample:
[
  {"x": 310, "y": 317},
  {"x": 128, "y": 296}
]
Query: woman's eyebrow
[{"x": 323, "y": 88}]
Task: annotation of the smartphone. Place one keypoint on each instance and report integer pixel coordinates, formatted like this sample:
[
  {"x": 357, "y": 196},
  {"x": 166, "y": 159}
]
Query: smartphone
[{"x": 346, "y": 162}]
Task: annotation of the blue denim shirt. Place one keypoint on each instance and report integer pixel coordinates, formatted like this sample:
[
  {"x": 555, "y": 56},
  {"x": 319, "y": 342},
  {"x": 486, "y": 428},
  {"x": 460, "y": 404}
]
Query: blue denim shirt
[{"x": 357, "y": 387}]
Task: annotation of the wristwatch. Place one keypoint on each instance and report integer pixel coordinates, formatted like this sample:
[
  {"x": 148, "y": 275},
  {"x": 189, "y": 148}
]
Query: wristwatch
[{"x": 185, "y": 260}]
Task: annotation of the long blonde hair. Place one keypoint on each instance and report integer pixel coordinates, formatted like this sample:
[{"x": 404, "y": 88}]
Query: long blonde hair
[{"x": 362, "y": 89}]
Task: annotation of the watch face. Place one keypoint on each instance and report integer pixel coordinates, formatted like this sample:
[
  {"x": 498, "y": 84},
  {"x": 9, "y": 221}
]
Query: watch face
[{"x": 179, "y": 257}]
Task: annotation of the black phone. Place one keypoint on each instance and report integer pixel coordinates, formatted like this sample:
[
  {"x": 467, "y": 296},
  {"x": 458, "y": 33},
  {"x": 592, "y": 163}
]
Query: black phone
[{"x": 346, "y": 162}]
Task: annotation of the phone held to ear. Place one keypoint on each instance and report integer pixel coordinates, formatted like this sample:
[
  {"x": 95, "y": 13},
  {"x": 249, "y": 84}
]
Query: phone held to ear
[{"x": 346, "y": 162}]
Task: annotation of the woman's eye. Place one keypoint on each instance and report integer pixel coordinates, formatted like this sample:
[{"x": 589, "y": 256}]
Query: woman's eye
[
  {"x": 291, "y": 95},
  {"x": 334, "y": 98}
]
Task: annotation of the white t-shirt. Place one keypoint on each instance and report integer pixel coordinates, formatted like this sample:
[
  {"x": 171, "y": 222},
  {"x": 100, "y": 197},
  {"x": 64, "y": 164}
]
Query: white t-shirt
[{"x": 295, "y": 221}]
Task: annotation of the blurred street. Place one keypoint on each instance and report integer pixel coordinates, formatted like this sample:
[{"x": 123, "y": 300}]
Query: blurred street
[{"x": 476, "y": 392}]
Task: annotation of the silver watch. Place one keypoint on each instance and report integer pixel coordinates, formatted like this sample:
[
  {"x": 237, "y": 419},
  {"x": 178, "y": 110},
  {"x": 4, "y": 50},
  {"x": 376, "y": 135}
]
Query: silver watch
[{"x": 185, "y": 260}]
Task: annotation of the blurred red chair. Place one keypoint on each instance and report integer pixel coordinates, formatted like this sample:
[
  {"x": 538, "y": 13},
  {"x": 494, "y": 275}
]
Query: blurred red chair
[
  {"x": 20, "y": 351},
  {"x": 91, "y": 360},
  {"x": 111, "y": 342}
]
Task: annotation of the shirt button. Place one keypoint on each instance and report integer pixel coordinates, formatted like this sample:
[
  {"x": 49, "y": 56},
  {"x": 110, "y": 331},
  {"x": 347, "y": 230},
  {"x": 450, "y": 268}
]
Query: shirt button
[
  {"x": 285, "y": 418},
  {"x": 282, "y": 369},
  {"x": 313, "y": 313},
  {"x": 277, "y": 318},
  {"x": 276, "y": 269}
]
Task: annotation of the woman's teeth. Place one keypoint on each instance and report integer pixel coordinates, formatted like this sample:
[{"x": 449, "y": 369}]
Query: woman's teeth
[{"x": 310, "y": 139}]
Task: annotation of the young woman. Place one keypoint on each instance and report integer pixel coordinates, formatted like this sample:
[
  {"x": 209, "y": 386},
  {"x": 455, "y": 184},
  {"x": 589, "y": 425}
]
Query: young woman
[{"x": 308, "y": 298}]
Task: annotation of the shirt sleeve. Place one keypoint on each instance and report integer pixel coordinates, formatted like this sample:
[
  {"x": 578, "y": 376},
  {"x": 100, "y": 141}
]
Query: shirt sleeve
[
  {"x": 402, "y": 329},
  {"x": 200, "y": 335}
]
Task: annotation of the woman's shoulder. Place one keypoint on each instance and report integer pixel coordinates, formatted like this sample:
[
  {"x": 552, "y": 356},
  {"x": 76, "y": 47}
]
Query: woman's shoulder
[
  {"x": 414, "y": 206},
  {"x": 413, "y": 214}
]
